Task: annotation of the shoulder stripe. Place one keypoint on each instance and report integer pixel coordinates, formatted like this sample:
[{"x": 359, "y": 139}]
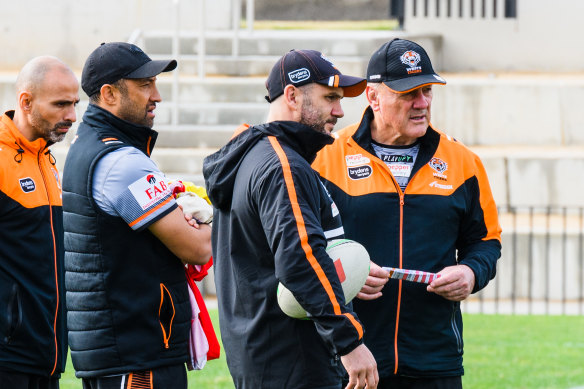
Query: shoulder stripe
[{"x": 289, "y": 181}]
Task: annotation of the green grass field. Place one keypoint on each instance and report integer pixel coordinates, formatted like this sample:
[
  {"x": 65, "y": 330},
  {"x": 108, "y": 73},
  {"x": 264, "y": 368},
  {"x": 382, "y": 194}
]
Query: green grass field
[{"x": 519, "y": 352}]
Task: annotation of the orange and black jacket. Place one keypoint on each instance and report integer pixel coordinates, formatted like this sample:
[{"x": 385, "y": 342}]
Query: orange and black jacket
[
  {"x": 32, "y": 323},
  {"x": 445, "y": 216},
  {"x": 270, "y": 224}
]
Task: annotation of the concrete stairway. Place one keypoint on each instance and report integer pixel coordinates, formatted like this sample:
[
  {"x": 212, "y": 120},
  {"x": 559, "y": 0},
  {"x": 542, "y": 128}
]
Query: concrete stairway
[{"x": 523, "y": 126}]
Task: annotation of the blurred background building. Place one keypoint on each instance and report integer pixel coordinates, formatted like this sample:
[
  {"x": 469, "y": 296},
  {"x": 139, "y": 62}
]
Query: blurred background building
[{"x": 515, "y": 75}]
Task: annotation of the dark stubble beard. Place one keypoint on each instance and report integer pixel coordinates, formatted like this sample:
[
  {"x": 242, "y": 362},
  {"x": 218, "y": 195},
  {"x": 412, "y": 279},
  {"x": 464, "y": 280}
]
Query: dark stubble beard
[
  {"x": 42, "y": 128},
  {"x": 312, "y": 118},
  {"x": 132, "y": 113}
]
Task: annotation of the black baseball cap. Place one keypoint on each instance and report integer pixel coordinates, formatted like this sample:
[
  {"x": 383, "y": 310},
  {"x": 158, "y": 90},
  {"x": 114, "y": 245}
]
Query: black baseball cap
[
  {"x": 301, "y": 67},
  {"x": 402, "y": 65},
  {"x": 113, "y": 61}
]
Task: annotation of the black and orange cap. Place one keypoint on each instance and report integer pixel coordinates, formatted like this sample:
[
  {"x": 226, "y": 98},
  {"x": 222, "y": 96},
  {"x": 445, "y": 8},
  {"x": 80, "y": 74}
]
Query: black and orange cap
[
  {"x": 402, "y": 65},
  {"x": 301, "y": 67}
]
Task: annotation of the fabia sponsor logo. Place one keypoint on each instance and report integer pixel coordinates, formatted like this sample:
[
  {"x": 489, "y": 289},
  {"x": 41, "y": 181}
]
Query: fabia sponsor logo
[
  {"x": 149, "y": 190},
  {"x": 359, "y": 172},
  {"x": 27, "y": 185},
  {"x": 299, "y": 75}
]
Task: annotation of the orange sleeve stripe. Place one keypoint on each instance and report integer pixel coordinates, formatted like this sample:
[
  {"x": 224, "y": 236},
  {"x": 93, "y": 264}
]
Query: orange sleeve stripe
[
  {"x": 239, "y": 130},
  {"x": 301, "y": 226},
  {"x": 150, "y": 212},
  {"x": 108, "y": 139},
  {"x": 355, "y": 323}
]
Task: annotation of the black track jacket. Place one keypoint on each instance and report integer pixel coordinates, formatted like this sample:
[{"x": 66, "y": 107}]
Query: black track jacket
[{"x": 272, "y": 214}]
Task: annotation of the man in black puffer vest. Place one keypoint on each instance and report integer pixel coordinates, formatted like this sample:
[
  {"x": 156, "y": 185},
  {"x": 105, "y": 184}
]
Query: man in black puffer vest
[{"x": 125, "y": 238}]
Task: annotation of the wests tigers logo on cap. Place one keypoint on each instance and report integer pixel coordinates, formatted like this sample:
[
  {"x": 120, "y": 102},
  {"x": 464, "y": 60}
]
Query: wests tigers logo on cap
[{"x": 412, "y": 59}]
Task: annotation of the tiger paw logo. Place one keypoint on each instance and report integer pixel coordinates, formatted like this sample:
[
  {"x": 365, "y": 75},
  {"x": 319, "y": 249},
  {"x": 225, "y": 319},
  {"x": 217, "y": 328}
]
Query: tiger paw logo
[
  {"x": 412, "y": 59},
  {"x": 439, "y": 165}
]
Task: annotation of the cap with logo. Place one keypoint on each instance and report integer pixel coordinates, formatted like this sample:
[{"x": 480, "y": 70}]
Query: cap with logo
[
  {"x": 301, "y": 67},
  {"x": 114, "y": 61},
  {"x": 402, "y": 65}
]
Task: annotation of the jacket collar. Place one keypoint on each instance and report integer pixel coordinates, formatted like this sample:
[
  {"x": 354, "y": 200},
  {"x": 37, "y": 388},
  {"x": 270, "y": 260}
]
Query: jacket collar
[
  {"x": 17, "y": 140},
  {"x": 428, "y": 142},
  {"x": 303, "y": 139},
  {"x": 107, "y": 124}
]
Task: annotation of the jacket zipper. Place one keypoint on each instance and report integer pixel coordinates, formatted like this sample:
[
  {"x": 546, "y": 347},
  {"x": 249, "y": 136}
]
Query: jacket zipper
[
  {"x": 455, "y": 329},
  {"x": 165, "y": 336},
  {"x": 13, "y": 315},
  {"x": 39, "y": 158},
  {"x": 401, "y": 246}
]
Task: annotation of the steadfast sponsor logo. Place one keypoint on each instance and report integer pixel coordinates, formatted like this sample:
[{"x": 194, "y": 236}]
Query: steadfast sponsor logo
[
  {"x": 356, "y": 159},
  {"x": 434, "y": 184},
  {"x": 149, "y": 190},
  {"x": 299, "y": 75},
  {"x": 27, "y": 185},
  {"x": 359, "y": 172}
]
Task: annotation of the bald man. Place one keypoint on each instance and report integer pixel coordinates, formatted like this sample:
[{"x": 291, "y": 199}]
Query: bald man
[{"x": 33, "y": 346}]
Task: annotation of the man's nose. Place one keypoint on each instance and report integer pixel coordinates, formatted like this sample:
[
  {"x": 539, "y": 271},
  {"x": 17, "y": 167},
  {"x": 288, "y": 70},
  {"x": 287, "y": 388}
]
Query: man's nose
[
  {"x": 421, "y": 101},
  {"x": 70, "y": 114},
  {"x": 155, "y": 95},
  {"x": 337, "y": 110}
]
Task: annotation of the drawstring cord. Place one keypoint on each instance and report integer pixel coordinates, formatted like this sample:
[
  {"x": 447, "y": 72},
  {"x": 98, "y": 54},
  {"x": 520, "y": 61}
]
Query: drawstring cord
[
  {"x": 19, "y": 152},
  {"x": 52, "y": 159}
]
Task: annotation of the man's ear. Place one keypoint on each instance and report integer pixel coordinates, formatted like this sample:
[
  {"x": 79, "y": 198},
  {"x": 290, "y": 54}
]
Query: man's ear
[
  {"x": 109, "y": 94},
  {"x": 372, "y": 97},
  {"x": 291, "y": 94},
  {"x": 25, "y": 101}
]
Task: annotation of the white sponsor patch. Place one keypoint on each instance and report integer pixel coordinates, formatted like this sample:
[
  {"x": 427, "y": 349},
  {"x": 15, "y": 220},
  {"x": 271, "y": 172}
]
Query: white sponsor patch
[
  {"x": 299, "y": 75},
  {"x": 356, "y": 160},
  {"x": 149, "y": 190},
  {"x": 440, "y": 186},
  {"x": 399, "y": 170}
]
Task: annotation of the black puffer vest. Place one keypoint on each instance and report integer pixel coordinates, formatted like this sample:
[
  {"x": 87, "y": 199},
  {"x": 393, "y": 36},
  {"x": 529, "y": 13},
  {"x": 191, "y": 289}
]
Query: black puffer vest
[{"x": 127, "y": 297}]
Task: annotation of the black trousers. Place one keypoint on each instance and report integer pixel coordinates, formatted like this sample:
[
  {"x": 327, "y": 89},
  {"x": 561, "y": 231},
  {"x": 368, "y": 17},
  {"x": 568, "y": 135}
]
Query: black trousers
[
  {"x": 168, "y": 377},
  {"x": 398, "y": 382},
  {"x": 13, "y": 380}
]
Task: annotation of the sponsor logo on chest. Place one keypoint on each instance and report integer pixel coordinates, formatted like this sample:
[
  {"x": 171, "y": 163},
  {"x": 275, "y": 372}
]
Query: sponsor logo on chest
[
  {"x": 358, "y": 166},
  {"x": 27, "y": 185},
  {"x": 439, "y": 167}
]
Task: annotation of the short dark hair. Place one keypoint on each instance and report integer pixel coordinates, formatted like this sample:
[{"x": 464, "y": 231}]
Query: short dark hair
[{"x": 119, "y": 84}]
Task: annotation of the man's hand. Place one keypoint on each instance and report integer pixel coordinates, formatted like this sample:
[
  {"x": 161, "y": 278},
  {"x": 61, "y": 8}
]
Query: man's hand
[
  {"x": 455, "y": 283},
  {"x": 361, "y": 367},
  {"x": 375, "y": 282}
]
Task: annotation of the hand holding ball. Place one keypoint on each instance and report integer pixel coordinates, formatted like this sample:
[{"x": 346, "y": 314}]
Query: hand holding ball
[{"x": 351, "y": 261}]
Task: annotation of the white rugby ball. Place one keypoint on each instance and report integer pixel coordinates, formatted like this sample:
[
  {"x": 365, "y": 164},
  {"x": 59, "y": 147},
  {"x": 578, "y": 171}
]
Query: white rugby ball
[{"x": 352, "y": 264}]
